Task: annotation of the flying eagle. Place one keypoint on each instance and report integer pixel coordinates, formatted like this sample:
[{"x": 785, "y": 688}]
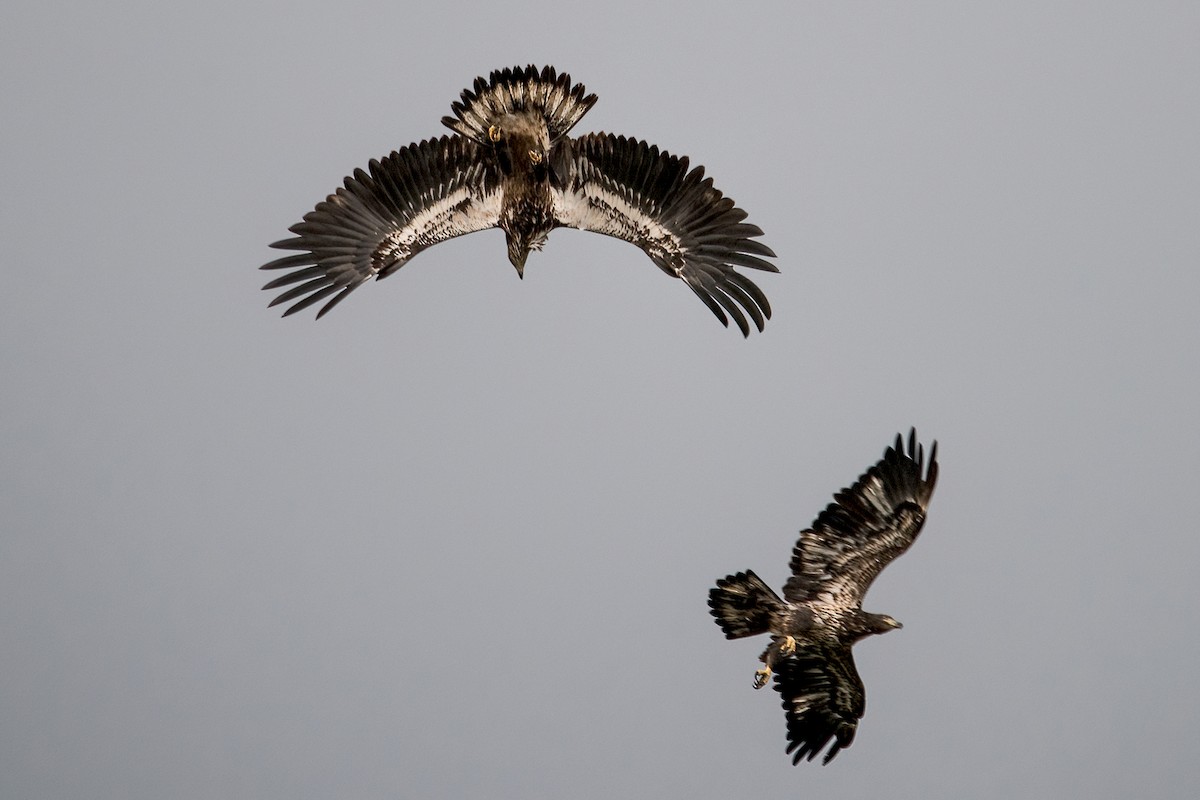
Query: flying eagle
[
  {"x": 820, "y": 616},
  {"x": 512, "y": 166}
]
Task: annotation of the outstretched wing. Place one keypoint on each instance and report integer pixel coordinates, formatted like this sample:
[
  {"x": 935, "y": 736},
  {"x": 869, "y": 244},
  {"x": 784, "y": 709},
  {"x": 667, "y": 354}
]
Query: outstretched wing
[
  {"x": 866, "y": 526},
  {"x": 629, "y": 189},
  {"x": 824, "y": 700},
  {"x": 514, "y": 91},
  {"x": 412, "y": 199}
]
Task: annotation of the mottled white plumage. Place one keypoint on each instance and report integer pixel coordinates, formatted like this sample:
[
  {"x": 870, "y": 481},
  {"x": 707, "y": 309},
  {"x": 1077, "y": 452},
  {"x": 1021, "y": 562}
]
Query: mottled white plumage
[
  {"x": 819, "y": 618},
  {"x": 513, "y": 166}
]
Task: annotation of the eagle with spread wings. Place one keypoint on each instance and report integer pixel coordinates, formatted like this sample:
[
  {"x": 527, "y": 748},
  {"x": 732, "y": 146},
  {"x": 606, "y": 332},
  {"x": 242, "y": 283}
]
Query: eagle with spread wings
[
  {"x": 819, "y": 618},
  {"x": 511, "y": 165}
]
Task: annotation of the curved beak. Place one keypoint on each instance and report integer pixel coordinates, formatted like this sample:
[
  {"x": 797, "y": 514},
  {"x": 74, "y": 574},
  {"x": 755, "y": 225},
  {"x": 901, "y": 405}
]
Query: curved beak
[{"x": 517, "y": 253}]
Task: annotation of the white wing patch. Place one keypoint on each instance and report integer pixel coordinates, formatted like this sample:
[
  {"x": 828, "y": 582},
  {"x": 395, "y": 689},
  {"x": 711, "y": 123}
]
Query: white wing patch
[
  {"x": 594, "y": 207},
  {"x": 460, "y": 212}
]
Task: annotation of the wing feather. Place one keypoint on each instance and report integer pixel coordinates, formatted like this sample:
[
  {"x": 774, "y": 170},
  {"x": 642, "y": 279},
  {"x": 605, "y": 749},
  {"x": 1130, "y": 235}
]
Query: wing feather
[
  {"x": 823, "y": 697},
  {"x": 414, "y": 198},
  {"x": 631, "y": 190},
  {"x": 867, "y": 526}
]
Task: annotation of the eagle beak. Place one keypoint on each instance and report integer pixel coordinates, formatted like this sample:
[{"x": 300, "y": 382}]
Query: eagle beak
[
  {"x": 517, "y": 257},
  {"x": 517, "y": 253}
]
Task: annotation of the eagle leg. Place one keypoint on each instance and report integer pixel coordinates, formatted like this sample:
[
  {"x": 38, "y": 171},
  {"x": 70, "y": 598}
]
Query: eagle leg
[
  {"x": 787, "y": 646},
  {"x": 761, "y": 676}
]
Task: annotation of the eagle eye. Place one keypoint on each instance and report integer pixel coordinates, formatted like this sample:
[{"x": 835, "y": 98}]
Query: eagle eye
[{"x": 494, "y": 133}]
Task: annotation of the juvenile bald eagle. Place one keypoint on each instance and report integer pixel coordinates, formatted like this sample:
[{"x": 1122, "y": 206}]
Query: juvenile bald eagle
[
  {"x": 512, "y": 166},
  {"x": 820, "y": 616}
]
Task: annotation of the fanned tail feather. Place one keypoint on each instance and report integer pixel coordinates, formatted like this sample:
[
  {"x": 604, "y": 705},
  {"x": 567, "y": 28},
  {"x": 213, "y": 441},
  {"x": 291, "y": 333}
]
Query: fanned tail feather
[
  {"x": 514, "y": 89},
  {"x": 743, "y": 605}
]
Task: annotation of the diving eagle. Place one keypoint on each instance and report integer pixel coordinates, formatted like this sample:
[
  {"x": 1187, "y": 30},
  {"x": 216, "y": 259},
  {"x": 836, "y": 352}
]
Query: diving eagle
[
  {"x": 512, "y": 166},
  {"x": 820, "y": 616}
]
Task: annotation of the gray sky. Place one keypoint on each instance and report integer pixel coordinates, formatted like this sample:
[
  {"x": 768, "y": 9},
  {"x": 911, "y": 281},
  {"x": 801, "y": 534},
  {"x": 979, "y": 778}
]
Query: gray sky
[{"x": 454, "y": 540}]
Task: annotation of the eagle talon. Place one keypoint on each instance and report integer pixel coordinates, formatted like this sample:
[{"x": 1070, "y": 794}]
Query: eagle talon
[
  {"x": 787, "y": 646},
  {"x": 494, "y": 132},
  {"x": 761, "y": 676}
]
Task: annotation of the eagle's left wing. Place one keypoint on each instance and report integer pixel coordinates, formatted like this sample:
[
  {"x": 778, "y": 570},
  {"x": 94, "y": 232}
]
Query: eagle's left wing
[
  {"x": 414, "y": 198},
  {"x": 629, "y": 189},
  {"x": 866, "y": 526},
  {"x": 824, "y": 699}
]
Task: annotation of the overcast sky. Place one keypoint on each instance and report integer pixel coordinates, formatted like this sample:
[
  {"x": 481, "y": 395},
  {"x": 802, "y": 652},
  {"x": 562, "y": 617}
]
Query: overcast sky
[{"x": 455, "y": 539}]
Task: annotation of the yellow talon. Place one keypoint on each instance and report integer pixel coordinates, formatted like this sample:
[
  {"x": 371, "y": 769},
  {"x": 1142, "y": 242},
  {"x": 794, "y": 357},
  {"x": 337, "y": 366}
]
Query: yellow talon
[
  {"x": 761, "y": 676},
  {"x": 535, "y": 156},
  {"x": 494, "y": 133},
  {"x": 788, "y": 645}
]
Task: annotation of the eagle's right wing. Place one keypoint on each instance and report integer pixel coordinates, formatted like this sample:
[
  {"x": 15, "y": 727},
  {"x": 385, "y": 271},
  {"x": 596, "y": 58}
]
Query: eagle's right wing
[
  {"x": 414, "y": 198},
  {"x": 629, "y": 189},
  {"x": 824, "y": 699}
]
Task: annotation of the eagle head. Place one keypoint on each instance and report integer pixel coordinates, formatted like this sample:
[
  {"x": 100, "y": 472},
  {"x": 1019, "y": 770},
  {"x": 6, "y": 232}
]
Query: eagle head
[
  {"x": 520, "y": 243},
  {"x": 861, "y": 624}
]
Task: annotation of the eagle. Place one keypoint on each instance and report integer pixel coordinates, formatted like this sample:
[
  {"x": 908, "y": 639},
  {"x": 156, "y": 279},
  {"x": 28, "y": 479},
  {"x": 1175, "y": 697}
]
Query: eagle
[
  {"x": 819, "y": 618},
  {"x": 511, "y": 165}
]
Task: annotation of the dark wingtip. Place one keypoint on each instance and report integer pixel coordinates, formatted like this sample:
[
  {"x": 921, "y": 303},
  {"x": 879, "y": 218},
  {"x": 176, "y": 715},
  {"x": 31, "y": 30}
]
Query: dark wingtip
[{"x": 916, "y": 452}]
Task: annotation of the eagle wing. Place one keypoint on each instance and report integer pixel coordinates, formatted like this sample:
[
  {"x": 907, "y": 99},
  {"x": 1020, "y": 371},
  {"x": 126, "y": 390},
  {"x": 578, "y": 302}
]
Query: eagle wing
[
  {"x": 864, "y": 529},
  {"x": 414, "y": 198},
  {"x": 629, "y": 189},
  {"x": 823, "y": 697}
]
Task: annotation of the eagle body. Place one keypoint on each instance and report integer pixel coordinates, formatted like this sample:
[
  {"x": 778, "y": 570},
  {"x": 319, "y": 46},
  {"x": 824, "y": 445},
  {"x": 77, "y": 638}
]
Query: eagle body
[
  {"x": 522, "y": 149},
  {"x": 820, "y": 617},
  {"x": 512, "y": 165}
]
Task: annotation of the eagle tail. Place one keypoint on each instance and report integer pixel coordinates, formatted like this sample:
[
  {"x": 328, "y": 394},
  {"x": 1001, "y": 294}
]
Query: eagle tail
[
  {"x": 743, "y": 605},
  {"x": 512, "y": 90}
]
